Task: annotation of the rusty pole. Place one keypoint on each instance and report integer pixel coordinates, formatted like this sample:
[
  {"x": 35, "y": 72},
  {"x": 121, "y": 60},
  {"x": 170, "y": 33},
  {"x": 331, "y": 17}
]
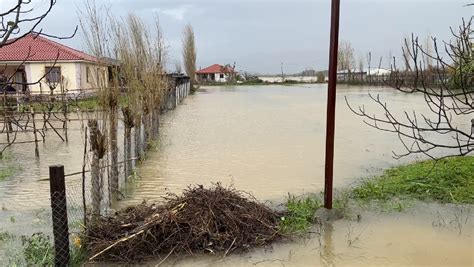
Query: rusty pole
[{"x": 331, "y": 104}]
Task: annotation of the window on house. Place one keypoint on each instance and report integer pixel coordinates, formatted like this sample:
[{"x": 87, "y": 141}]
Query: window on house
[
  {"x": 222, "y": 76},
  {"x": 53, "y": 74},
  {"x": 88, "y": 74}
]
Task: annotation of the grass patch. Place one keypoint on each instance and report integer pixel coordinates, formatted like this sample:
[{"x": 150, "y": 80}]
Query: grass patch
[
  {"x": 448, "y": 180},
  {"x": 85, "y": 104},
  {"x": 7, "y": 172},
  {"x": 38, "y": 250},
  {"x": 300, "y": 214},
  {"x": 5, "y": 236}
]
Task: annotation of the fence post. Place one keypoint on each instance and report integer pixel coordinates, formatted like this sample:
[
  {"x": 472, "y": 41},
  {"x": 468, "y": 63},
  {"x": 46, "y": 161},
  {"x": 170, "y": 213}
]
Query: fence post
[
  {"x": 97, "y": 147},
  {"x": 59, "y": 213}
]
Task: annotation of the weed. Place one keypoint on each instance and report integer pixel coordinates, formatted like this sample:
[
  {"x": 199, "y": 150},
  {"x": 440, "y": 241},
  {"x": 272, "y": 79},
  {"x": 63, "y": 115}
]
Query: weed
[
  {"x": 7, "y": 172},
  {"x": 5, "y": 236},
  {"x": 78, "y": 251},
  {"x": 38, "y": 250},
  {"x": 153, "y": 145},
  {"x": 5, "y": 156},
  {"x": 447, "y": 181},
  {"x": 341, "y": 202},
  {"x": 300, "y": 213}
]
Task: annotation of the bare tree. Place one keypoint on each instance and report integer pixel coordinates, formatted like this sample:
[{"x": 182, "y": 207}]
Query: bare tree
[
  {"x": 448, "y": 129},
  {"x": 17, "y": 21},
  {"x": 406, "y": 52},
  {"x": 360, "y": 64},
  {"x": 428, "y": 48},
  {"x": 177, "y": 67},
  {"x": 345, "y": 56},
  {"x": 189, "y": 53}
]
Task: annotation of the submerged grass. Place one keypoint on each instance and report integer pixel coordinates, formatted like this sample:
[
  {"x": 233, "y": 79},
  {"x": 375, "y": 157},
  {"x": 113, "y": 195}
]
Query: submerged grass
[
  {"x": 449, "y": 180},
  {"x": 8, "y": 171},
  {"x": 85, "y": 104},
  {"x": 38, "y": 250},
  {"x": 300, "y": 214},
  {"x": 5, "y": 236}
]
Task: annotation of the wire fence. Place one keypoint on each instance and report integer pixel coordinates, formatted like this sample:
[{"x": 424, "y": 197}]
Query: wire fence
[
  {"x": 104, "y": 173},
  {"x": 89, "y": 191}
]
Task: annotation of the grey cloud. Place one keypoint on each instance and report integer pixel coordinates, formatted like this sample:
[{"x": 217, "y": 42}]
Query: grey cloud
[{"x": 260, "y": 35}]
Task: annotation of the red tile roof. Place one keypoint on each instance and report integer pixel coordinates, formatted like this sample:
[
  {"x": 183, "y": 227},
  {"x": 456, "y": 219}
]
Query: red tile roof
[
  {"x": 38, "y": 48},
  {"x": 216, "y": 68}
]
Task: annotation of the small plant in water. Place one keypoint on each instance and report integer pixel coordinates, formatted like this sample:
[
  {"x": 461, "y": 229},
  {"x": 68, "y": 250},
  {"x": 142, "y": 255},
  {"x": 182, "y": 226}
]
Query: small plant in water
[
  {"x": 38, "y": 250},
  {"x": 4, "y": 236},
  {"x": 7, "y": 172},
  {"x": 300, "y": 214}
]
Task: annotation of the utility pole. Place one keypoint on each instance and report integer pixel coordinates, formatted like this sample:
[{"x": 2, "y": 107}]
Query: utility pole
[
  {"x": 331, "y": 105},
  {"x": 282, "y": 73}
]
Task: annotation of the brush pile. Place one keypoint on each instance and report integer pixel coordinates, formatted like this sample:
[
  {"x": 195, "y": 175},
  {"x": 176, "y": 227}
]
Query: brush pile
[{"x": 213, "y": 220}]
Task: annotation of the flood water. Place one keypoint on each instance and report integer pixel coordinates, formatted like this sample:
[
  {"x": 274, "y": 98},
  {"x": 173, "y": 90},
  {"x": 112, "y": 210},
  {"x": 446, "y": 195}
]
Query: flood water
[
  {"x": 268, "y": 140},
  {"x": 428, "y": 236}
]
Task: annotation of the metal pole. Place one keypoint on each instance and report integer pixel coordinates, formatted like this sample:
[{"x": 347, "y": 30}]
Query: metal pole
[{"x": 331, "y": 104}]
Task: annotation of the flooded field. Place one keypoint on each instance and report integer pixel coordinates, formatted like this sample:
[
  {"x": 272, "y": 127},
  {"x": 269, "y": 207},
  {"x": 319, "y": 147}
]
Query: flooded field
[
  {"x": 268, "y": 140},
  {"x": 421, "y": 237}
]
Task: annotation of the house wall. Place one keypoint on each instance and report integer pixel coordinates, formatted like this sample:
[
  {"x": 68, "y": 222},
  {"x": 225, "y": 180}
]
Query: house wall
[
  {"x": 98, "y": 76},
  {"x": 221, "y": 80},
  {"x": 218, "y": 79},
  {"x": 37, "y": 70},
  {"x": 74, "y": 76}
]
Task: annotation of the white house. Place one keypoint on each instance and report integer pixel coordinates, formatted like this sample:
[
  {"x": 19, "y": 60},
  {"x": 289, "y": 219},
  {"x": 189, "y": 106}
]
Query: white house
[
  {"x": 37, "y": 64},
  {"x": 215, "y": 73}
]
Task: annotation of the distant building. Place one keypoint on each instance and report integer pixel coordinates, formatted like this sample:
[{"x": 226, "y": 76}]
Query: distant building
[
  {"x": 358, "y": 75},
  {"x": 215, "y": 74},
  {"x": 37, "y": 64}
]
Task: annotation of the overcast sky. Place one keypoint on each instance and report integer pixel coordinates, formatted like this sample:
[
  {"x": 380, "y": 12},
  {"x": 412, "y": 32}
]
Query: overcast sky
[{"x": 259, "y": 35}]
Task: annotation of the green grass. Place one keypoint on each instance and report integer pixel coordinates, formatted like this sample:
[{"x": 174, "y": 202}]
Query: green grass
[
  {"x": 7, "y": 172},
  {"x": 5, "y": 236},
  {"x": 300, "y": 213},
  {"x": 38, "y": 250},
  {"x": 448, "y": 180},
  {"x": 86, "y": 104}
]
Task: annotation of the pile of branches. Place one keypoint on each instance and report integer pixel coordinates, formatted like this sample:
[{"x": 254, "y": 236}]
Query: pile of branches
[{"x": 215, "y": 219}]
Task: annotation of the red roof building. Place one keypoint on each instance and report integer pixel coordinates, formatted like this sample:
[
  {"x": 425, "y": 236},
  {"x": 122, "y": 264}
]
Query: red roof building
[
  {"x": 47, "y": 65},
  {"x": 215, "y": 73},
  {"x": 35, "y": 47}
]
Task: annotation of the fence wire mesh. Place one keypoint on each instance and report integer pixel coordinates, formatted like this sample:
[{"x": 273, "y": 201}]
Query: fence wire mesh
[{"x": 73, "y": 205}]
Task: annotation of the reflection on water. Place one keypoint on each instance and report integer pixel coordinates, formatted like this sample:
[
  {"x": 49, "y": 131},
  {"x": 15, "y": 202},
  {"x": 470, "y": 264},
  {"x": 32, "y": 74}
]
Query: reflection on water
[{"x": 327, "y": 247}]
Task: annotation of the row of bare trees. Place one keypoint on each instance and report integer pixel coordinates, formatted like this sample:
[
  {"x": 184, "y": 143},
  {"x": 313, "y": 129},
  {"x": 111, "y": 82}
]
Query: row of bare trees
[
  {"x": 135, "y": 92},
  {"x": 347, "y": 59},
  {"x": 448, "y": 128},
  {"x": 133, "y": 87}
]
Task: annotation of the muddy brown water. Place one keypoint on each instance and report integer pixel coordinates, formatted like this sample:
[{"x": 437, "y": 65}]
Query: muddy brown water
[{"x": 268, "y": 140}]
